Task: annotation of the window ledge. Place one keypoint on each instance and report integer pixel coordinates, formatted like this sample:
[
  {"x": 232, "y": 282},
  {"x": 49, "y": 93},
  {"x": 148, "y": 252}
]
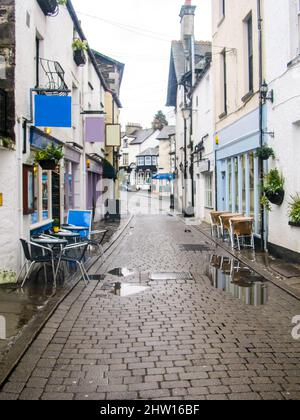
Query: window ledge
[
  {"x": 41, "y": 224},
  {"x": 248, "y": 96}
]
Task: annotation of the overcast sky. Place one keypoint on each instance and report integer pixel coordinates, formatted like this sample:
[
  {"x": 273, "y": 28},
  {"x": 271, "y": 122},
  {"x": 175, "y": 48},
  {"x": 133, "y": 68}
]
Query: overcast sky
[{"x": 138, "y": 33}]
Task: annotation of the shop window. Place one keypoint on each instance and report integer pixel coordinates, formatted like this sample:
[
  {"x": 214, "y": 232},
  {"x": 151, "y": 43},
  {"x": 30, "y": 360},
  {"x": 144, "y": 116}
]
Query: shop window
[
  {"x": 230, "y": 185},
  {"x": 35, "y": 215},
  {"x": 244, "y": 183},
  {"x": 236, "y": 177},
  {"x": 209, "y": 191},
  {"x": 148, "y": 161},
  {"x": 28, "y": 189},
  {"x": 45, "y": 195},
  {"x": 41, "y": 196}
]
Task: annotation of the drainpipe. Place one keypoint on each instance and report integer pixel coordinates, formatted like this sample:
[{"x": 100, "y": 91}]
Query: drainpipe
[{"x": 261, "y": 128}]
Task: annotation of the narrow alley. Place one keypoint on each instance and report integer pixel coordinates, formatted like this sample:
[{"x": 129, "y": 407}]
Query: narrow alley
[{"x": 131, "y": 337}]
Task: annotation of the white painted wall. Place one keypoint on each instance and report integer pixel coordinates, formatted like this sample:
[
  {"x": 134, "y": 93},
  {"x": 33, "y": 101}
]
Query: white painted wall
[
  {"x": 57, "y": 35},
  {"x": 203, "y": 126},
  {"x": 282, "y": 46}
]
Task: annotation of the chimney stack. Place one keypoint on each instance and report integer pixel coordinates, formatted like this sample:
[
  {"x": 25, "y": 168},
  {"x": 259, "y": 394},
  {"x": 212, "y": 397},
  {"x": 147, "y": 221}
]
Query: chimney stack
[{"x": 187, "y": 15}]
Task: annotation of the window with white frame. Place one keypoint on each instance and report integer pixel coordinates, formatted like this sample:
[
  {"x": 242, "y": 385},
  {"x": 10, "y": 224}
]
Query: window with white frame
[
  {"x": 42, "y": 196},
  {"x": 125, "y": 159},
  {"x": 141, "y": 161},
  {"x": 154, "y": 160},
  {"x": 209, "y": 190},
  {"x": 148, "y": 161}
]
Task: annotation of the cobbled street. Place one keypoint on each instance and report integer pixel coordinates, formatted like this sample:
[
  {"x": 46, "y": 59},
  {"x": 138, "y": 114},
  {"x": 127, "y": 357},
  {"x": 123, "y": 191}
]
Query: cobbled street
[{"x": 181, "y": 339}]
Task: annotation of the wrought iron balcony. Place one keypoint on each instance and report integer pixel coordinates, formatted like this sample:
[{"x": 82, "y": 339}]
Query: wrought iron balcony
[
  {"x": 51, "y": 76},
  {"x": 49, "y": 7},
  {"x": 3, "y": 112}
]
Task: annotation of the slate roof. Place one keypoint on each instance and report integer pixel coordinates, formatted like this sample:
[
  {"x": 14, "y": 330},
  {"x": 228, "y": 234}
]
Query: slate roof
[
  {"x": 167, "y": 132},
  {"x": 177, "y": 65},
  {"x": 150, "y": 152},
  {"x": 141, "y": 135}
]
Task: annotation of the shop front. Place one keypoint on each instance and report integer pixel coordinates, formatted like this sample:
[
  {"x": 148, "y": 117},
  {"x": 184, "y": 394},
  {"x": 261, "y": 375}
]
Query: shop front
[
  {"x": 238, "y": 168},
  {"x": 41, "y": 197},
  {"x": 94, "y": 182},
  {"x": 72, "y": 182}
]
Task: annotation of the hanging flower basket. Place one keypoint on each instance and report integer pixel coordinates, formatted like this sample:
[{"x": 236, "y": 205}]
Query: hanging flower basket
[
  {"x": 48, "y": 164},
  {"x": 49, "y": 158},
  {"x": 276, "y": 197},
  {"x": 79, "y": 57},
  {"x": 49, "y": 7},
  {"x": 294, "y": 224},
  {"x": 265, "y": 153}
]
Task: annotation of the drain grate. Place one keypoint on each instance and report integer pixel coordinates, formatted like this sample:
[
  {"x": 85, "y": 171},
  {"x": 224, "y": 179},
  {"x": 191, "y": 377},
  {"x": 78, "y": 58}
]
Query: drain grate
[
  {"x": 194, "y": 248},
  {"x": 170, "y": 276}
]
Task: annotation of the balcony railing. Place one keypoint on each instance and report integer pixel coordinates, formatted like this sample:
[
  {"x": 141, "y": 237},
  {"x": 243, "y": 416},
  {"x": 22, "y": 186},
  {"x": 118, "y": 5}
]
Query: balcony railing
[
  {"x": 3, "y": 112},
  {"x": 51, "y": 76},
  {"x": 49, "y": 7}
]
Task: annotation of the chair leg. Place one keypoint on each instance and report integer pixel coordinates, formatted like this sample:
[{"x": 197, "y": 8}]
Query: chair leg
[
  {"x": 57, "y": 268},
  {"x": 27, "y": 274},
  {"x": 20, "y": 274},
  {"x": 45, "y": 272},
  {"x": 82, "y": 273},
  {"x": 53, "y": 272},
  {"x": 239, "y": 243},
  {"x": 86, "y": 274}
]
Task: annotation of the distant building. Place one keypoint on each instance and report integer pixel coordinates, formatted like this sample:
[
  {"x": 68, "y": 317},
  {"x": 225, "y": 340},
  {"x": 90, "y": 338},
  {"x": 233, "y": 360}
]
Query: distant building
[{"x": 146, "y": 167}]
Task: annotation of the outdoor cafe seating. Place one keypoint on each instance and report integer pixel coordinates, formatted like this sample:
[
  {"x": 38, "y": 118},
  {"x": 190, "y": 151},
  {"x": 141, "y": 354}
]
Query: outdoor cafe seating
[
  {"x": 235, "y": 226},
  {"x": 68, "y": 245}
]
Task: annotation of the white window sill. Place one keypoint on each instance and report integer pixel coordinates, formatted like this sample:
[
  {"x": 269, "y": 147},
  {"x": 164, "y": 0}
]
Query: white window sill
[{"x": 41, "y": 224}]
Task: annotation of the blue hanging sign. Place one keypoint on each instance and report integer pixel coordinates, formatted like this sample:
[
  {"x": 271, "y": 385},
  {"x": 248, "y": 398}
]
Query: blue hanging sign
[{"x": 53, "y": 111}]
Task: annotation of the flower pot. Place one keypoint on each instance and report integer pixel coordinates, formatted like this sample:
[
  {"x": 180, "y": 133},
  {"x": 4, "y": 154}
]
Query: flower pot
[
  {"x": 294, "y": 224},
  {"x": 276, "y": 198},
  {"x": 49, "y": 7},
  {"x": 79, "y": 57},
  {"x": 48, "y": 164}
]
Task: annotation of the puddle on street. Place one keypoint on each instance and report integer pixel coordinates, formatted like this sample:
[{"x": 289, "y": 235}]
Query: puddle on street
[
  {"x": 19, "y": 306},
  {"x": 121, "y": 272},
  {"x": 230, "y": 276},
  {"x": 126, "y": 289}
]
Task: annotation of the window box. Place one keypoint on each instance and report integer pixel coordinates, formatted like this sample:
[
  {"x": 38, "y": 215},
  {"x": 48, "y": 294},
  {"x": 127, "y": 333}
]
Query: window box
[
  {"x": 79, "y": 57},
  {"x": 294, "y": 224},
  {"x": 49, "y": 7}
]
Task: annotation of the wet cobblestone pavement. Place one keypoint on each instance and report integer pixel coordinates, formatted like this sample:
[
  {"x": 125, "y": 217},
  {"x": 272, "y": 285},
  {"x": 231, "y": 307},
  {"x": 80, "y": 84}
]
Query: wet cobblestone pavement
[{"x": 213, "y": 336}]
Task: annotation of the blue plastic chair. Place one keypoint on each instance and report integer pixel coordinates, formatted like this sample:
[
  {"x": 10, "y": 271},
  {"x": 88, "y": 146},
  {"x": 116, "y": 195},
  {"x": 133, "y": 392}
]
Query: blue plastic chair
[{"x": 81, "y": 218}]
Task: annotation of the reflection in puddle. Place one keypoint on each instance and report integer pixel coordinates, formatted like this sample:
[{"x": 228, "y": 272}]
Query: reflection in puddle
[
  {"x": 121, "y": 272},
  {"x": 232, "y": 277},
  {"x": 124, "y": 289}
]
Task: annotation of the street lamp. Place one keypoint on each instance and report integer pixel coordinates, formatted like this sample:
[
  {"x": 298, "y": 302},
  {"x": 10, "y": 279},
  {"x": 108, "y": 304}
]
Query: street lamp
[
  {"x": 265, "y": 93},
  {"x": 186, "y": 113}
]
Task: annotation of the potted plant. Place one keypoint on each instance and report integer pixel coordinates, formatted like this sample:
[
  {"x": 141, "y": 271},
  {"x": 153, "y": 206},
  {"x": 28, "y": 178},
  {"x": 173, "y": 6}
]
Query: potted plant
[
  {"x": 294, "y": 211},
  {"x": 265, "y": 152},
  {"x": 274, "y": 187},
  {"x": 79, "y": 48},
  {"x": 50, "y": 7},
  {"x": 56, "y": 225},
  {"x": 49, "y": 158},
  {"x": 7, "y": 143}
]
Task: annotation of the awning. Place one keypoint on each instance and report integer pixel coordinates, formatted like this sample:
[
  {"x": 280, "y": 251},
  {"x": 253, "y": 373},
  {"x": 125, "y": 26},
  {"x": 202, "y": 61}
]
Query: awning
[
  {"x": 164, "y": 177},
  {"x": 109, "y": 171}
]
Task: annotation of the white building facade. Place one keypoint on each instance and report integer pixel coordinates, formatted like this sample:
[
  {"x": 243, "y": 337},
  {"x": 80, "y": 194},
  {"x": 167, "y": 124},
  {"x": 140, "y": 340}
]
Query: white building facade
[
  {"x": 44, "y": 59},
  {"x": 281, "y": 26}
]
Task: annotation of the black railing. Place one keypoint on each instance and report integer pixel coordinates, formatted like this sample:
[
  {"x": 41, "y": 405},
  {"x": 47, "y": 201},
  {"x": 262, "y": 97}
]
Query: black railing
[
  {"x": 3, "y": 112},
  {"x": 49, "y": 7},
  {"x": 51, "y": 76}
]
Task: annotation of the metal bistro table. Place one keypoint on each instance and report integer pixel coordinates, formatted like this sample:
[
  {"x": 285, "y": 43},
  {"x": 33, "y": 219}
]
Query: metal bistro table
[
  {"x": 68, "y": 236},
  {"x": 76, "y": 229},
  {"x": 51, "y": 243}
]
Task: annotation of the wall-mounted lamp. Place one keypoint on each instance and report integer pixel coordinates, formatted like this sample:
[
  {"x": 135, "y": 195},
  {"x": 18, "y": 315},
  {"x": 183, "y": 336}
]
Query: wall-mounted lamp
[
  {"x": 265, "y": 93},
  {"x": 186, "y": 113},
  {"x": 48, "y": 130}
]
